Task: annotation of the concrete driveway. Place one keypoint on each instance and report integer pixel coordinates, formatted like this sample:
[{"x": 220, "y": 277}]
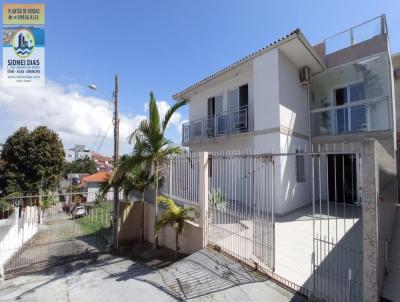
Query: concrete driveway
[{"x": 203, "y": 276}]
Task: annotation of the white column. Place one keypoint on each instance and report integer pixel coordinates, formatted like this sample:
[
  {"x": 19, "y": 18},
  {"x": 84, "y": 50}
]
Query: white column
[{"x": 203, "y": 194}]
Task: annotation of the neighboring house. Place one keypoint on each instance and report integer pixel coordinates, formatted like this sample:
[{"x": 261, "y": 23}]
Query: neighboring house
[
  {"x": 103, "y": 163},
  {"x": 93, "y": 183},
  {"x": 291, "y": 96},
  {"x": 78, "y": 152}
]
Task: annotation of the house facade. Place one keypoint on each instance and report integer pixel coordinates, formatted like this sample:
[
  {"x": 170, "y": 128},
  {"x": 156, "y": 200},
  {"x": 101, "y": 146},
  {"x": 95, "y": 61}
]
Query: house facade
[
  {"x": 78, "y": 152},
  {"x": 292, "y": 97}
]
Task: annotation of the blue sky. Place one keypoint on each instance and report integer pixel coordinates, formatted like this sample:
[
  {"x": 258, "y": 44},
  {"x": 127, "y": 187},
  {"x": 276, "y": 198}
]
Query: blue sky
[{"x": 167, "y": 45}]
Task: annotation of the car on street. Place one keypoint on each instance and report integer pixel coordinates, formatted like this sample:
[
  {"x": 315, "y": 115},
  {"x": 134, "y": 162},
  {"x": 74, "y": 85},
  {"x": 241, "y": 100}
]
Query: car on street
[{"x": 79, "y": 211}]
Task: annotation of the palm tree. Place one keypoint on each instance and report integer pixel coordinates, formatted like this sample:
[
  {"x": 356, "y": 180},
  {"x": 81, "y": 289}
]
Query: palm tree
[
  {"x": 155, "y": 148},
  {"x": 131, "y": 175},
  {"x": 176, "y": 217}
]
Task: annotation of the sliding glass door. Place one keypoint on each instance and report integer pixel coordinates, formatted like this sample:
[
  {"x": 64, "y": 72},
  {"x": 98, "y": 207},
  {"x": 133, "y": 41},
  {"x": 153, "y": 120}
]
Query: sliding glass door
[{"x": 350, "y": 119}]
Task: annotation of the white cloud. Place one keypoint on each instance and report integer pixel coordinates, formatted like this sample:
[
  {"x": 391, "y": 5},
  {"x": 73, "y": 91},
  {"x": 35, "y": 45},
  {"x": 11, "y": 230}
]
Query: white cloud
[{"x": 77, "y": 118}]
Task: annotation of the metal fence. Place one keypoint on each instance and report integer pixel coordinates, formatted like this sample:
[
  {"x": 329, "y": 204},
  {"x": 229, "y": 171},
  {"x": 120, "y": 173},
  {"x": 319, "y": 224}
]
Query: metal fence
[
  {"x": 40, "y": 231},
  {"x": 241, "y": 208},
  {"x": 183, "y": 172},
  {"x": 294, "y": 215},
  {"x": 337, "y": 224}
]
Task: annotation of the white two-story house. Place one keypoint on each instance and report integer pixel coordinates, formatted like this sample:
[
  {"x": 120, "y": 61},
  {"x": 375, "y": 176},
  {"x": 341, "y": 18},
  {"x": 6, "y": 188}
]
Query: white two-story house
[{"x": 291, "y": 96}]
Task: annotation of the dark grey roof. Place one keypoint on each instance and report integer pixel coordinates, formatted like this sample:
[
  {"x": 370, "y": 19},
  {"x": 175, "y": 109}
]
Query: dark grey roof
[{"x": 242, "y": 60}]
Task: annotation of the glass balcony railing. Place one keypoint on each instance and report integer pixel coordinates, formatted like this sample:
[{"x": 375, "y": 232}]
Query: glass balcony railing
[
  {"x": 229, "y": 122},
  {"x": 359, "y": 116},
  {"x": 356, "y": 34}
]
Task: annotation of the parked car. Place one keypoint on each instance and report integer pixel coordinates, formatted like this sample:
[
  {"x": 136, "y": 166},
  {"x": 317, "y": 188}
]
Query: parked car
[{"x": 79, "y": 211}]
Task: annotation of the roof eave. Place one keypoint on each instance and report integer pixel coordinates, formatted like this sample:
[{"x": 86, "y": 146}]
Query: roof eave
[
  {"x": 296, "y": 33},
  {"x": 312, "y": 51}
]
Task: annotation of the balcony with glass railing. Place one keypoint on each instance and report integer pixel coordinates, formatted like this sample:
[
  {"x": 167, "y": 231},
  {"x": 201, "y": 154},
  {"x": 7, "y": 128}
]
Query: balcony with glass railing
[
  {"x": 357, "y": 34},
  {"x": 222, "y": 124},
  {"x": 354, "y": 117}
]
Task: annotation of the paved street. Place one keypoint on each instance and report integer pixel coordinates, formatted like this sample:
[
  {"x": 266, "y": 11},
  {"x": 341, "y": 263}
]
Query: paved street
[
  {"x": 58, "y": 237},
  {"x": 203, "y": 276}
]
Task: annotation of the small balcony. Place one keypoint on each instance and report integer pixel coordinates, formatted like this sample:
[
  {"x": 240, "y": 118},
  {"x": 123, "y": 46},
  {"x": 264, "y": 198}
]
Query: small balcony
[
  {"x": 355, "y": 117},
  {"x": 222, "y": 124}
]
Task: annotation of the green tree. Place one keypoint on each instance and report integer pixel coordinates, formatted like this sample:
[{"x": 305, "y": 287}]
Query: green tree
[
  {"x": 176, "y": 217},
  {"x": 155, "y": 147},
  {"x": 34, "y": 161},
  {"x": 85, "y": 165}
]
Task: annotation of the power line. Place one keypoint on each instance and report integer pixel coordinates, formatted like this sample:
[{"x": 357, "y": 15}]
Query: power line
[{"x": 104, "y": 137}]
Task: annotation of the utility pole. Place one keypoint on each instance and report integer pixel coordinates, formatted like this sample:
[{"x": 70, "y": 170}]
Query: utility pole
[{"x": 116, "y": 151}]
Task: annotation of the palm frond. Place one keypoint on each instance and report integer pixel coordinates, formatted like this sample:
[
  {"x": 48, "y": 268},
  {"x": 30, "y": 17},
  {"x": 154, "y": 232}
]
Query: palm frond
[
  {"x": 171, "y": 112},
  {"x": 154, "y": 116},
  {"x": 175, "y": 216}
]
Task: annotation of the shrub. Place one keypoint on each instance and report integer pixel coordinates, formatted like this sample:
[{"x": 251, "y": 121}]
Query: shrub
[
  {"x": 6, "y": 209},
  {"x": 217, "y": 200}
]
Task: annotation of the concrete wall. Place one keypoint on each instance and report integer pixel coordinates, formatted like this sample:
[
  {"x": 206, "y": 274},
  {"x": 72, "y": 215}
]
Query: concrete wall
[
  {"x": 190, "y": 241},
  {"x": 387, "y": 201},
  {"x": 130, "y": 222},
  {"x": 15, "y": 231},
  {"x": 378, "y": 209}
]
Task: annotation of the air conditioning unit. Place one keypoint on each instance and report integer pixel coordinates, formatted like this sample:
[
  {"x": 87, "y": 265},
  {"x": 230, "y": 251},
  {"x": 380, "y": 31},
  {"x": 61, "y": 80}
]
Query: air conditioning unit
[{"x": 305, "y": 76}]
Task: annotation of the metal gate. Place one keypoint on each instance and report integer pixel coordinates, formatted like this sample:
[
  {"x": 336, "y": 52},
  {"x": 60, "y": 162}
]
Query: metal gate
[
  {"x": 62, "y": 228},
  {"x": 241, "y": 208},
  {"x": 296, "y": 216},
  {"x": 337, "y": 226}
]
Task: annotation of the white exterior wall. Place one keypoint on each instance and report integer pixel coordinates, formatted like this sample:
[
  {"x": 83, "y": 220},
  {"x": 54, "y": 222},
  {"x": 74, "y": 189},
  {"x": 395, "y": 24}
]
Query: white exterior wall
[
  {"x": 232, "y": 144},
  {"x": 293, "y": 108},
  {"x": 266, "y": 91},
  {"x": 279, "y": 101},
  {"x": 17, "y": 232},
  {"x": 293, "y": 114},
  {"x": 93, "y": 188},
  {"x": 69, "y": 155},
  {"x": 198, "y": 103},
  {"x": 292, "y": 194}
]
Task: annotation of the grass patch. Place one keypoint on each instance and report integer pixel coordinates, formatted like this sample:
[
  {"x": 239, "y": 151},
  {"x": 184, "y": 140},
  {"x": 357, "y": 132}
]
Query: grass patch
[{"x": 99, "y": 218}]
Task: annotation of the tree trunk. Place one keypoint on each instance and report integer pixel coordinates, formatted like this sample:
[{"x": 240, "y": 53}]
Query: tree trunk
[
  {"x": 155, "y": 243},
  {"x": 142, "y": 227},
  {"x": 176, "y": 245}
]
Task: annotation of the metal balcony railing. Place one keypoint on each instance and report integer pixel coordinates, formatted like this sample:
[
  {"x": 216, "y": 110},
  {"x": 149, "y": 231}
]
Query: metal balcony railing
[{"x": 225, "y": 123}]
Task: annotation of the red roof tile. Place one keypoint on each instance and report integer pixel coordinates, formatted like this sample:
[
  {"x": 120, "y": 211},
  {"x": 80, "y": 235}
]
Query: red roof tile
[{"x": 97, "y": 177}]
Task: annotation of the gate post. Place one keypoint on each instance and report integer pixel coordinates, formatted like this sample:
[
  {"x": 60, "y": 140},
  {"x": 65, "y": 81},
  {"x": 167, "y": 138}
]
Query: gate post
[
  {"x": 370, "y": 191},
  {"x": 203, "y": 195}
]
